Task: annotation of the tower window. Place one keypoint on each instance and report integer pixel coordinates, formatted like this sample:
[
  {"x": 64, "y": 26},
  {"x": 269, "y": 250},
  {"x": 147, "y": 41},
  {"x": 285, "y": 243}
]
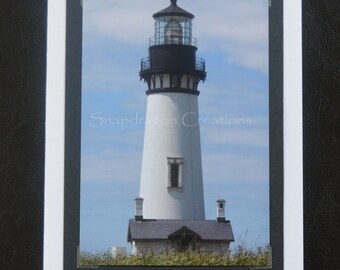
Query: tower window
[{"x": 175, "y": 173}]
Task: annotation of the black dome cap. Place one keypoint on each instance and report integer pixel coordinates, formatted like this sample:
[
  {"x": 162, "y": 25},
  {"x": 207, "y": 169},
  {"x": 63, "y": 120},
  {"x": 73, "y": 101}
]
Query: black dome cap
[{"x": 173, "y": 10}]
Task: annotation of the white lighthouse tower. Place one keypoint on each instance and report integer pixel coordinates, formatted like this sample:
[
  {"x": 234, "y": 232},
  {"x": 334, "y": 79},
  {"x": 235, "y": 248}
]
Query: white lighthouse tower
[
  {"x": 171, "y": 180},
  {"x": 170, "y": 206}
]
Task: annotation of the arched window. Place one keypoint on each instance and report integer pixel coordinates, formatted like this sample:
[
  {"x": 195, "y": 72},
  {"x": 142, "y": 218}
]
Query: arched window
[{"x": 173, "y": 32}]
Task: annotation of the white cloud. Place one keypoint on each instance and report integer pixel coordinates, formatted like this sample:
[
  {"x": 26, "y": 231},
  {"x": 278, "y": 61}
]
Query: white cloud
[
  {"x": 236, "y": 100},
  {"x": 106, "y": 69},
  {"x": 123, "y": 137},
  {"x": 126, "y": 20},
  {"x": 111, "y": 165},
  {"x": 115, "y": 154},
  {"x": 241, "y": 21},
  {"x": 227, "y": 136},
  {"x": 249, "y": 57},
  {"x": 231, "y": 168},
  {"x": 236, "y": 28}
]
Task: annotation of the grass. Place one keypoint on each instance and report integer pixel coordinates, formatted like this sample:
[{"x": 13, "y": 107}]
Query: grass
[{"x": 241, "y": 256}]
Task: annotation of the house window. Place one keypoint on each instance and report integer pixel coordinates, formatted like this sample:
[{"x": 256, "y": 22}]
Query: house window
[{"x": 175, "y": 173}]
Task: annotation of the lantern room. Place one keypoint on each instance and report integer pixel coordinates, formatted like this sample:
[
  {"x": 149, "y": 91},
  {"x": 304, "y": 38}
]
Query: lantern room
[
  {"x": 173, "y": 25},
  {"x": 172, "y": 64}
]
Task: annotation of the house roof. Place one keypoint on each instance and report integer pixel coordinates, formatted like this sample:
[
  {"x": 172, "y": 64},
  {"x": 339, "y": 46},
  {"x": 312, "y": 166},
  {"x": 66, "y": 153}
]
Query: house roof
[{"x": 207, "y": 230}]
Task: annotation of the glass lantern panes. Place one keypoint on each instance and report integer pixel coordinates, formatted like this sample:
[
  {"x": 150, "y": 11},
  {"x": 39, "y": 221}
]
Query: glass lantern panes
[{"x": 173, "y": 30}]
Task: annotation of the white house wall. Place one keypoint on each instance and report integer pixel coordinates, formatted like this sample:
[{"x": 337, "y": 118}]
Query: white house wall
[{"x": 150, "y": 247}]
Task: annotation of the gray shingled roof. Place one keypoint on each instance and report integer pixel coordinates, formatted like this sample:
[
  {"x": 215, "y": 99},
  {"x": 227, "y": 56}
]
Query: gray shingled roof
[{"x": 208, "y": 230}]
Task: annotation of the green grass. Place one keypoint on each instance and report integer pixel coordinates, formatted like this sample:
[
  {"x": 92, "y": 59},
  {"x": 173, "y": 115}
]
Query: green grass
[{"x": 241, "y": 256}]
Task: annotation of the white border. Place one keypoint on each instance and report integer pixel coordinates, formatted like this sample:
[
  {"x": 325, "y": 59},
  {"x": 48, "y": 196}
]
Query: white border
[
  {"x": 55, "y": 137},
  {"x": 293, "y": 147}
]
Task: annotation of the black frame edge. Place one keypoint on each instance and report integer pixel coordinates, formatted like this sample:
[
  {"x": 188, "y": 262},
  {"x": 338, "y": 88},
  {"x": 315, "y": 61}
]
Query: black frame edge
[
  {"x": 73, "y": 128},
  {"x": 72, "y": 132},
  {"x": 276, "y": 140}
]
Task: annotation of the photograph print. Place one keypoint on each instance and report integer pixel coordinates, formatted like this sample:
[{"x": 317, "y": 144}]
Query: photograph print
[{"x": 175, "y": 133}]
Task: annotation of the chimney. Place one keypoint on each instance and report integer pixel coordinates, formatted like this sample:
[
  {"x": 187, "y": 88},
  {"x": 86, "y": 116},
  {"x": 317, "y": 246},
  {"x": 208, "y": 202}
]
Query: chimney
[
  {"x": 139, "y": 209},
  {"x": 220, "y": 210}
]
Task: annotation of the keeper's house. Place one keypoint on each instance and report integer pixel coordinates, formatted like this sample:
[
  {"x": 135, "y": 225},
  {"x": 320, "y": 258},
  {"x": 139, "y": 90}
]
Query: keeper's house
[{"x": 167, "y": 235}]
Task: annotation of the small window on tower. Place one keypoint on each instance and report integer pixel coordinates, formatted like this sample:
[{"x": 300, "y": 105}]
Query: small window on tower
[{"x": 175, "y": 173}]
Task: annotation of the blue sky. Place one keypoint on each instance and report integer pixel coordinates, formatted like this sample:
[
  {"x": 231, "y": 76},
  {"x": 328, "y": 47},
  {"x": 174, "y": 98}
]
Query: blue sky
[{"x": 233, "y": 39}]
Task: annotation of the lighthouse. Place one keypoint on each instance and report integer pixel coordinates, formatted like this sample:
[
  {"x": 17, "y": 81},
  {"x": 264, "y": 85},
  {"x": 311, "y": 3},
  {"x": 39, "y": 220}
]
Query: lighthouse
[
  {"x": 170, "y": 206},
  {"x": 171, "y": 179}
]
